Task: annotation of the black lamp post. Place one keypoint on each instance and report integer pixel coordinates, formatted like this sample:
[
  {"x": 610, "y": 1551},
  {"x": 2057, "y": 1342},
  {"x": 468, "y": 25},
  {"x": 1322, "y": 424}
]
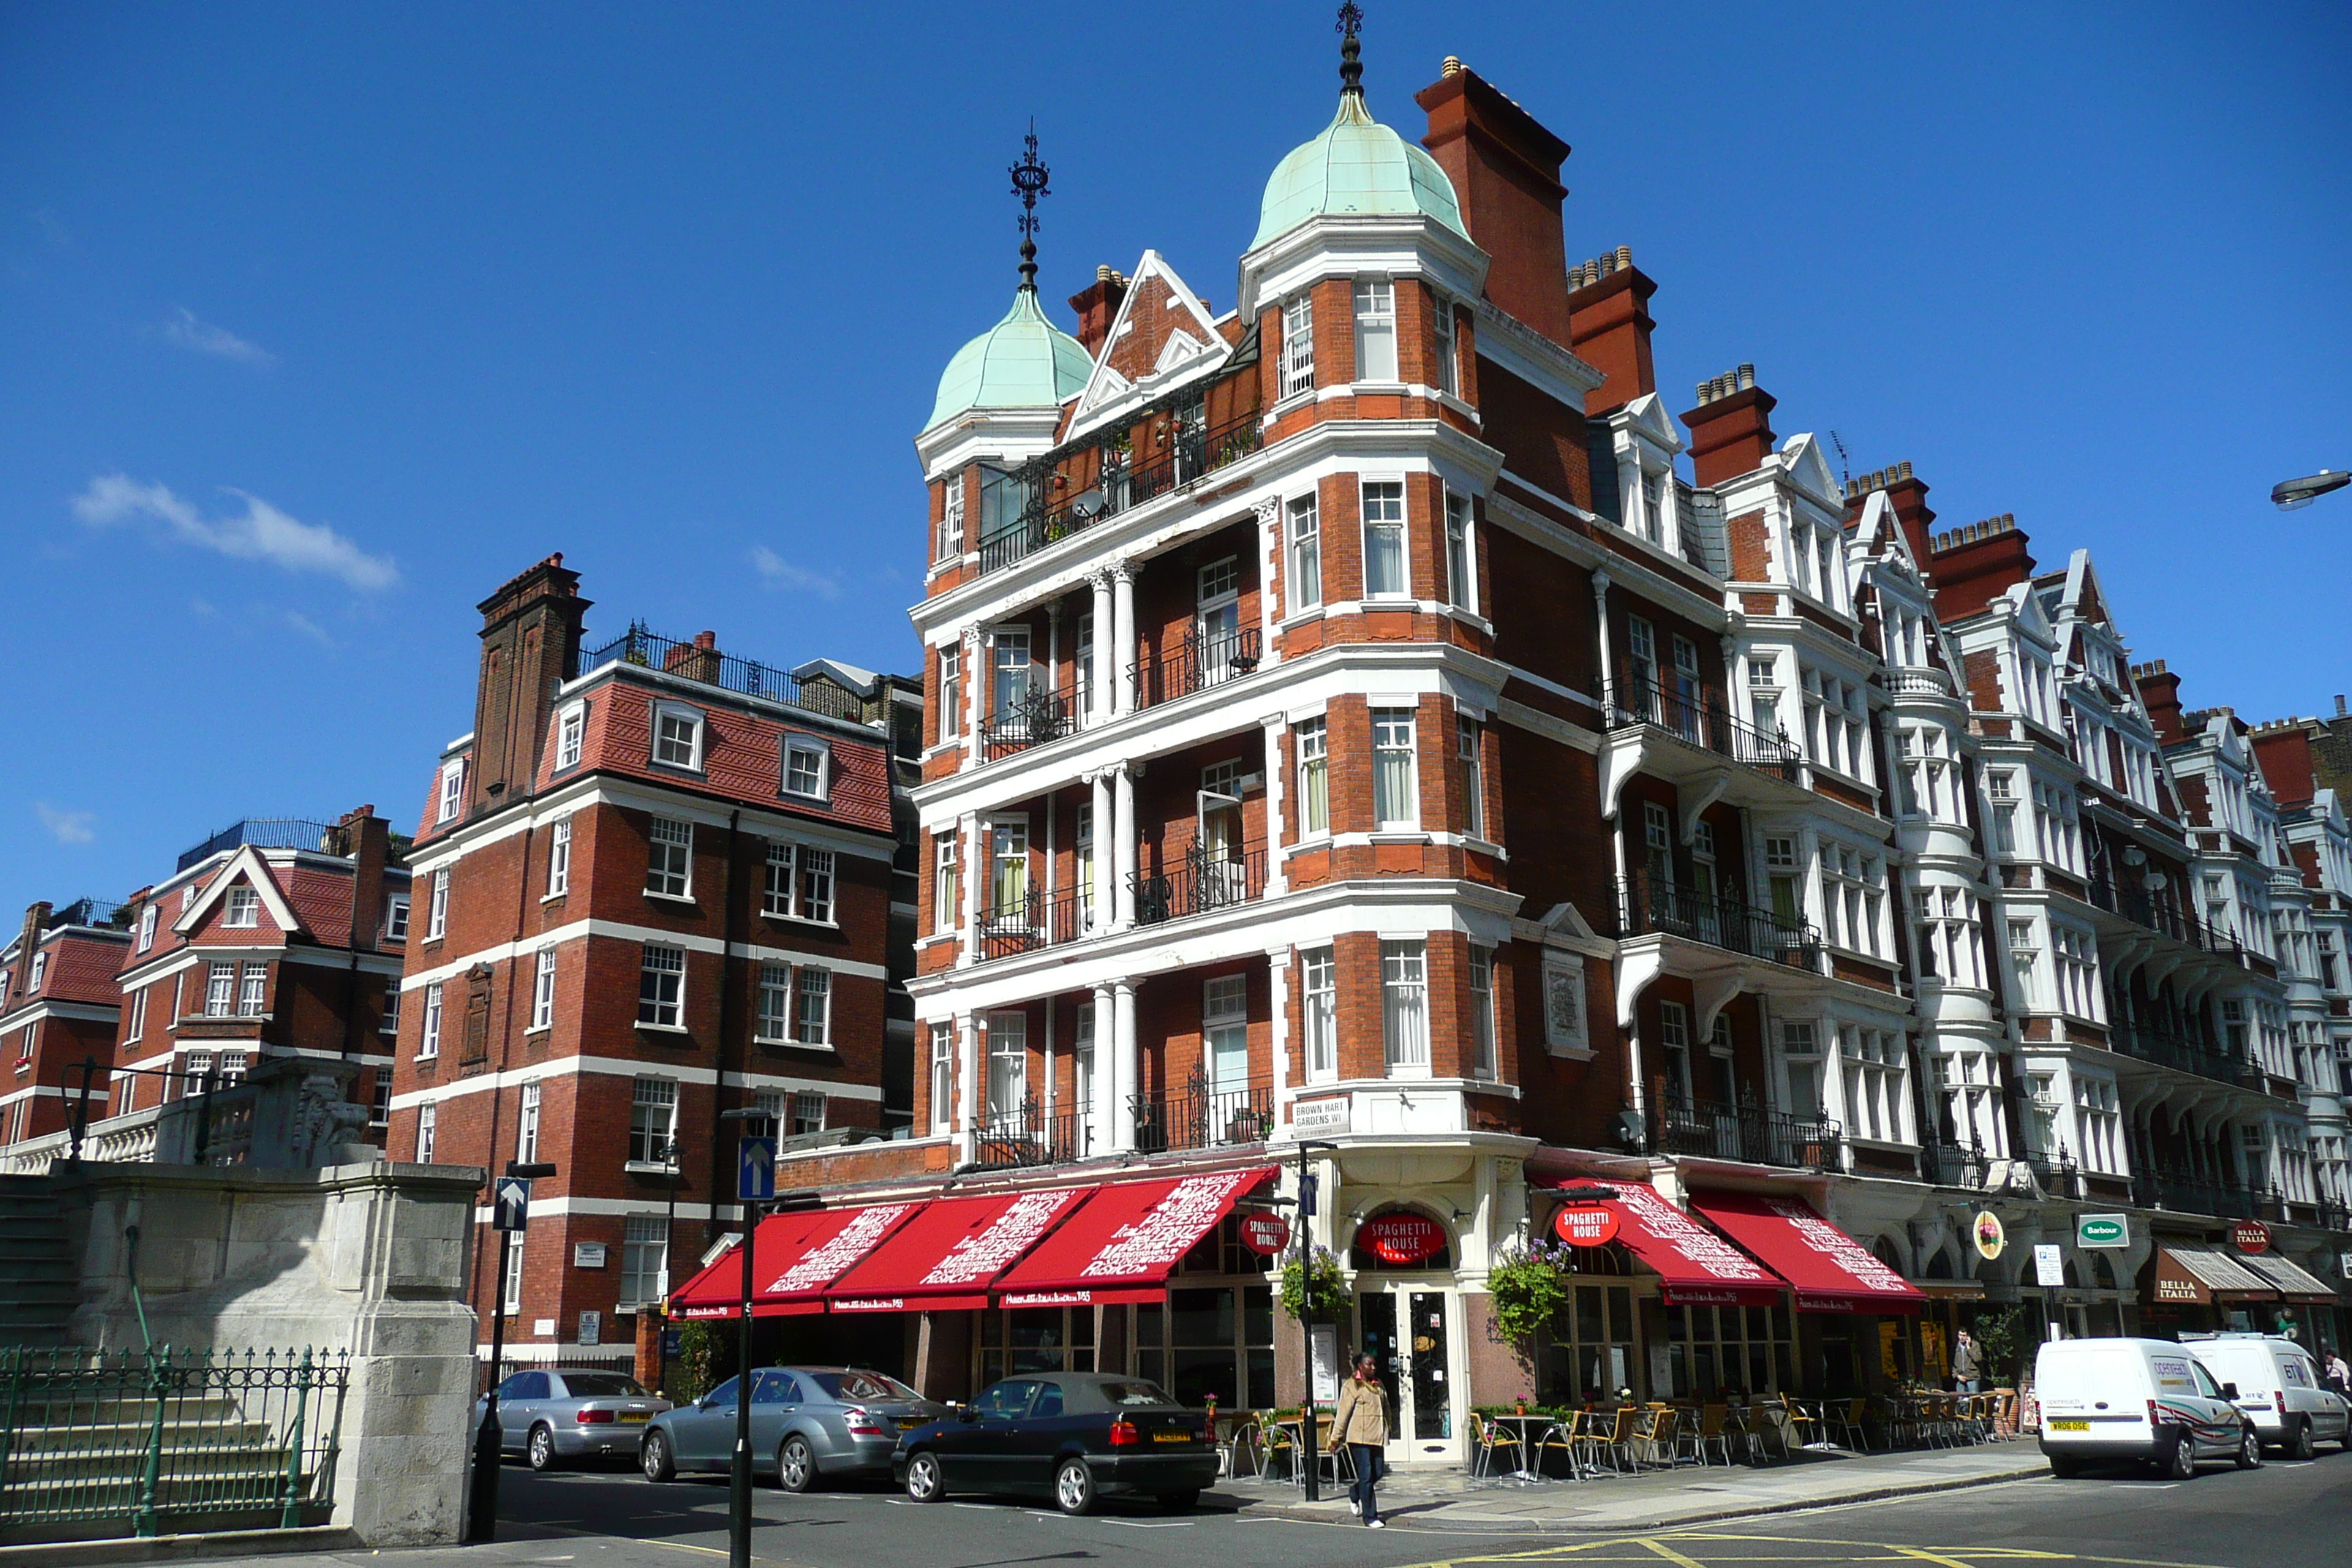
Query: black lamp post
[
  {"x": 2289, "y": 494},
  {"x": 669, "y": 1238},
  {"x": 738, "y": 1511},
  {"x": 482, "y": 1504},
  {"x": 1308, "y": 1146}
]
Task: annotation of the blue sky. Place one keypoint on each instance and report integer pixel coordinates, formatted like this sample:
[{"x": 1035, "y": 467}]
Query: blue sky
[{"x": 320, "y": 321}]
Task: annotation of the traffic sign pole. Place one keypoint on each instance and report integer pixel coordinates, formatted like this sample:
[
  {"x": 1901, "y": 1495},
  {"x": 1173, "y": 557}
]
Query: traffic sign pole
[{"x": 509, "y": 1212}]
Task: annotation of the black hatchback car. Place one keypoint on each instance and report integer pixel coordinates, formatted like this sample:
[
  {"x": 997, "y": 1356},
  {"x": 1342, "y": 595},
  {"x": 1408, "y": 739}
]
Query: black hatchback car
[{"x": 1074, "y": 1436}]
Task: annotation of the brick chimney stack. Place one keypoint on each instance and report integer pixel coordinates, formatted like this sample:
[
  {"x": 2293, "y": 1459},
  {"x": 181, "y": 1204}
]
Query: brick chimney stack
[
  {"x": 2160, "y": 690},
  {"x": 28, "y": 941},
  {"x": 1906, "y": 494},
  {"x": 1097, "y": 307},
  {"x": 530, "y": 644},
  {"x": 1505, "y": 172},
  {"x": 1977, "y": 564},
  {"x": 1731, "y": 429},
  {"x": 367, "y": 839},
  {"x": 1610, "y": 326}
]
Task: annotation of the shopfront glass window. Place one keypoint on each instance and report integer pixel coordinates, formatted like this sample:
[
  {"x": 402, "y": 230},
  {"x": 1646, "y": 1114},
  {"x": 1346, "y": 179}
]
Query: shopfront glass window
[
  {"x": 1586, "y": 1352},
  {"x": 1711, "y": 1350},
  {"x": 1019, "y": 1340}
]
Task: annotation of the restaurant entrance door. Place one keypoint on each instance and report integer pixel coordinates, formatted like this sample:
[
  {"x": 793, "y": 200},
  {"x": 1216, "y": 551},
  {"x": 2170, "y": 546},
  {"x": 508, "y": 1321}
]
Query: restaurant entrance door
[{"x": 1409, "y": 1330}]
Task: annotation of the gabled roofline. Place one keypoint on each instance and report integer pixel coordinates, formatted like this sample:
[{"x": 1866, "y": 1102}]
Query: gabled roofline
[{"x": 255, "y": 869}]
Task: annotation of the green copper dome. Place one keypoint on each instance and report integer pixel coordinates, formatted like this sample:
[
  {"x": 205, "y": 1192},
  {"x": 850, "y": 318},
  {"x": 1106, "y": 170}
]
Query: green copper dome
[
  {"x": 1357, "y": 166},
  {"x": 1022, "y": 362}
]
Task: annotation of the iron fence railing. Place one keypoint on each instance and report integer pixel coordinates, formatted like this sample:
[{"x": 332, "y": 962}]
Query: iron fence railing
[
  {"x": 1032, "y": 1135},
  {"x": 1039, "y": 715},
  {"x": 2135, "y": 906},
  {"x": 2183, "y": 1055},
  {"x": 1033, "y": 921},
  {"x": 1698, "y": 716},
  {"x": 1748, "y": 1132},
  {"x": 1647, "y": 907},
  {"x": 98, "y": 912},
  {"x": 166, "y": 1440},
  {"x": 1193, "y": 447},
  {"x": 265, "y": 833},
  {"x": 1204, "y": 1114},
  {"x": 1201, "y": 661},
  {"x": 2229, "y": 1200},
  {"x": 1203, "y": 879},
  {"x": 1957, "y": 1165},
  {"x": 2057, "y": 1173},
  {"x": 703, "y": 662}
]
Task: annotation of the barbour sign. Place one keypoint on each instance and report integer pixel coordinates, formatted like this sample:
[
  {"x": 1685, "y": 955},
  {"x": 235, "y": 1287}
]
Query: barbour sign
[{"x": 2102, "y": 1230}]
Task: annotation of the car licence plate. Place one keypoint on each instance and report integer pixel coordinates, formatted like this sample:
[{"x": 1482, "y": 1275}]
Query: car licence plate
[
  {"x": 908, "y": 1423},
  {"x": 637, "y": 1415},
  {"x": 2070, "y": 1425},
  {"x": 1171, "y": 1436}
]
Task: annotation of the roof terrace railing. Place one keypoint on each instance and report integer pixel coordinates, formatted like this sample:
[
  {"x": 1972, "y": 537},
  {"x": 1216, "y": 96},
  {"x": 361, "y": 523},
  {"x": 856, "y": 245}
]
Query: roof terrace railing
[
  {"x": 701, "y": 660},
  {"x": 265, "y": 833}
]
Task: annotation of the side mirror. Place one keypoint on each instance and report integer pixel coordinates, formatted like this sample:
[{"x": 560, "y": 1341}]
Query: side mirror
[
  {"x": 2229, "y": 1391},
  {"x": 967, "y": 1413}
]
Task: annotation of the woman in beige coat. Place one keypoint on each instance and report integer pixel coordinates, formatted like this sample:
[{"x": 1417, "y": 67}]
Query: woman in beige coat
[{"x": 1361, "y": 1423}]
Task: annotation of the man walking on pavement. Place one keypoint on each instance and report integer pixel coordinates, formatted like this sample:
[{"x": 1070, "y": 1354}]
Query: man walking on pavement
[{"x": 1966, "y": 1364}]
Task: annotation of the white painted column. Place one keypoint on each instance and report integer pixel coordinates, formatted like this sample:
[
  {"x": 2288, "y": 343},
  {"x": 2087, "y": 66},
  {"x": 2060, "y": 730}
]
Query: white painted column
[
  {"x": 1122, "y": 846},
  {"x": 1105, "y": 671},
  {"x": 1103, "y": 870},
  {"x": 1106, "y": 1073},
  {"x": 1277, "y": 964},
  {"x": 975, "y": 679},
  {"x": 1276, "y": 801},
  {"x": 1128, "y": 1054},
  {"x": 1122, "y": 636},
  {"x": 973, "y": 854},
  {"x": 1270, "y": 555},
  {"x": 968, "y": 1068},
  {"x": 1601, "y": 620}
]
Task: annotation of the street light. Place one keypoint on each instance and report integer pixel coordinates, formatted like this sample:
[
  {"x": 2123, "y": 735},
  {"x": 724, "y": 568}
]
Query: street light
[
  {"x": 1308, "y": 1146},
  {"x": 2288, "y": 495},
  {"x": 738, "y": 1511},
  {"x": 669, "y": 1239},
  {"x": 482, "y": 1506}
]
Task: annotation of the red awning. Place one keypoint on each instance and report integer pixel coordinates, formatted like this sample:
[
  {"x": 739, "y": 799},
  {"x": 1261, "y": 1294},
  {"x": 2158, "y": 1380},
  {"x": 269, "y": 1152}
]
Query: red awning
[
  {"x": 1832, "y": 1271},
  {"x": 1125, "y": 1240},
  {"x": 1698, "y": 1268},
  {"x": 795, "y": 1256},
  {"x": 945, "y": 1257}
]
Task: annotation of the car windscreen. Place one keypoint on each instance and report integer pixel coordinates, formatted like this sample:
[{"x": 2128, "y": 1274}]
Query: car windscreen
[
  {"x": 851, "y": 1387},
  {"x": 601, "y": 1386},
  {"x": 1134, "y": 1392}
]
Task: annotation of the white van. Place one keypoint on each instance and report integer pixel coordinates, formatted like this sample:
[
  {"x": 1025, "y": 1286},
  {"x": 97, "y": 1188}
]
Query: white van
[
  {"x": 2104, "y": 1400},
  {"x": 2278, "y": 1387}
]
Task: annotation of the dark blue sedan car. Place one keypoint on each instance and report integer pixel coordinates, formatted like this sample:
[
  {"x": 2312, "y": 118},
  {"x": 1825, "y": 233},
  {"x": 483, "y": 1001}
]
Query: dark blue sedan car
[{"x": 1075, "y": 1437}]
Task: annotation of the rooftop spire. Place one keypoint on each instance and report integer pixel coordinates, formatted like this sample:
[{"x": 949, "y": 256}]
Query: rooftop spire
[
  {"x": 1351, "y": 50},
  {"x": 1029, "y": 177}
]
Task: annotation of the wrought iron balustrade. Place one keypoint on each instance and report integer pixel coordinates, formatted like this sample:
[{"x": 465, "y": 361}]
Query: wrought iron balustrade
[
  {"x": 703, "y": 662},
  {"x": 2135, "y": 906},
  {"x": 1032, "y": 920},
  {"x": 2182, "y": 1055},
  {"x": 2057, "y": 1173},
  {"x": 1957, "y": 1164},
  {"x": 1648, "y": 906},
  {"x": 1203, "y": 879},
  {"x": 1031, "y": 1134},
  {"x": 1680, "y": 1124},
  {"x": 1699, "y": 718},
  {"x": 1193, "y": 447},
  {"x": 1198, "y": 663},
  {"x": 1204, "y": 1114},
  {"x": 1037, "y": 716}
]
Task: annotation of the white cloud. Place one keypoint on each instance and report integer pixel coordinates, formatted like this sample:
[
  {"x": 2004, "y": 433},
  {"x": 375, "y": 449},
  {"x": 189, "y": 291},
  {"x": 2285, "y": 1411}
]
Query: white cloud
[
  {"x": 66, "y": 827},
  {"x": 779, "y": 572},
  {"x": 309, "y": 628},
  {"x": 261, "y": 534},
  {"x": 201, "y": 337}
]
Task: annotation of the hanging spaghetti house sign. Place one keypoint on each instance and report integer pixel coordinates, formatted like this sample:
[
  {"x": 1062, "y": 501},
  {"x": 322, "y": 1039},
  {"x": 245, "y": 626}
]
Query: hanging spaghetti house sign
[{"x": 1401, "y": 1238}]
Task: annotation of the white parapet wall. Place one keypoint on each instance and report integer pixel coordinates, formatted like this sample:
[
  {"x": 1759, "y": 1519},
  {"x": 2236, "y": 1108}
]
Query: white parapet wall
[{"x": 368, "y": 1258}]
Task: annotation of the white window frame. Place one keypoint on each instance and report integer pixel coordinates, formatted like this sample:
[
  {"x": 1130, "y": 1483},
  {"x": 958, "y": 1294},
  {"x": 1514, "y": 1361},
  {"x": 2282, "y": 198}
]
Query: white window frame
[
  {"x": 252, "y": 990},
  {"x": 559, "y": 858},
  {"x": 1374, "y": 499},
  {"x": 666, "y": 746},
  {"x": 1387, "y": 724},
  {"x": 138, "y": 1029},
  {"x": 947, "y": 882},
  {"x": 661, "y": 987},
  {"x": 1303, "y": 524},
  {"x": 527, "y": 1123},
  {"x": 1006, "y": 1087},
  {"x": 1375, "y": 312},
  {"x": 1319, "y": 1013},
  {"x": 812, "y": 1005},
  {"x": 645, "y": 1260},
  {"x": 950, "y": 678},
  {"x": 1404, "y": 1009},
  {"x": 542, "y": 992},
  {"x": 429, "y": 1035},
  {"x": 571, "y": 735},
  {"x": 772, "y": 1021},
  {"x": 1313, "y": 744},
  {"x": 949, "y": 544},
  {"x": 1447, "y": 333},
  {"x": 1298, "y": 346},
  {"x": 511, "y": 1288},
  {"x": 429, "y": 1118},
  {"x": 241, "y": 911},
  {"x": 147, "y": 928},
  {"x": 1483, "y": 1059},
  {"x": 1469, "y": 737},
  {"x": 653, "y": 1122},
  {"x": 797, "y": 747},
  {"x": 436, "y": 911},
  {"x": 1461, "y": 553},
  {"x": 942, "y": 1077},
  {"x": 453, "y": 790},
  {"x": 669, "y": 857},
  {"x": 220, "y": 990},
  {"x": 395, "y": 917}
]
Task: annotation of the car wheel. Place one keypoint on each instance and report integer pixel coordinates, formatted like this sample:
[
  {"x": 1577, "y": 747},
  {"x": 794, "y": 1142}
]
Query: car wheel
[
  {"x": 2250, "y": 1449},
  {"x": 2300, "y": 1444},
  {"x": 795, "y": 1466},
  {"x": 2065, "y": 1470},
  {"x": 1074, "y": 1488},
  {"x": 1181, "y": 1502},
  {"x": 653, "y": 1458},
  {"x": 540, "y": 1448},
  {"x": 2180, "y": 1463},
  {"x": 924, "y": 1481}
]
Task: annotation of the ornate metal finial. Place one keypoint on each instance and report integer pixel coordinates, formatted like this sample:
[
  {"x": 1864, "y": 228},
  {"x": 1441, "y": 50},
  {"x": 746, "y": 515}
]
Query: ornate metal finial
[
  {"x": 1351, "y": 50},
  {"x": 1029, "y": 177}
]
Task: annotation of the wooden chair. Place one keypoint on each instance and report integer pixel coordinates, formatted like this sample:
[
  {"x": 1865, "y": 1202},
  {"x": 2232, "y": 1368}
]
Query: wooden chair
[{"x": 1485, "y": 1437}]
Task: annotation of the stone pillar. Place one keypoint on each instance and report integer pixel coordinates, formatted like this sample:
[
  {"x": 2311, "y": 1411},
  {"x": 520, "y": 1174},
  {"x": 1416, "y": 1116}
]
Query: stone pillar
[
  {"x": 968, "y": 1064},
  {"x": 1122, "y": 636},
  {"x": 1105, "y": 671},
  {"x": 1122, "y": 845},
  {"x": 1106, "y": 867},
  {"x": 1105, "y": 1111},
  {"x": 974, "y": 693},
  {"x": 1277, "y": 803},
  {"x": 972, "y": 851},
  {"x": 1127, "y": 1055},
  {"x": 1277, "y": 964}
]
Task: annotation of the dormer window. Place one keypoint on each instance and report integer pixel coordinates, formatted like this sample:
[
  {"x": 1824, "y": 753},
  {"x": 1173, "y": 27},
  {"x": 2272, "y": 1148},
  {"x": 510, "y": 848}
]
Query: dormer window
[
  {"x": 147, "y": 928},
  {"x": 1376, "y": 346},
  {"x": 571, "y": 734},
  {"x": 453, "y": 790},
  {"x": 678, "y": 736},
  {"x": 243, "y": 908},
  {"x": 40, "y": 968},
  {"x": 808, "y": 768},
  {"x": 1297, "y": 346}
]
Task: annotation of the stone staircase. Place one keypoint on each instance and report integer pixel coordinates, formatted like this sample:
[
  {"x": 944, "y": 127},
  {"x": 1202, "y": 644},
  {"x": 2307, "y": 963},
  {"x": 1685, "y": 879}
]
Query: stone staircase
[
  {"x": 76, "y": 1466},
  {"x": 38, "y": 1289}
]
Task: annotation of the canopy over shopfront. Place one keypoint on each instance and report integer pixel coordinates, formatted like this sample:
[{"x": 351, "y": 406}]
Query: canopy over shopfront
[
  {"x": 2293, "y": 1283},
  {"x": 1695, "y": 1266},
  {"x": 945, "y": 1257},
  {"x": 1831, "y": 1271},
  {"x": 793, "y": 1257},
  {"x": 1124, "y": 1240},
  {"x": 2202, "y": 1276}
]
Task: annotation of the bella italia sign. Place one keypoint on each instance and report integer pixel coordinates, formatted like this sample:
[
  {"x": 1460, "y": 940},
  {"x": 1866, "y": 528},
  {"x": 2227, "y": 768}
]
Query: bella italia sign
[{"x": 2102, "y": 1230}]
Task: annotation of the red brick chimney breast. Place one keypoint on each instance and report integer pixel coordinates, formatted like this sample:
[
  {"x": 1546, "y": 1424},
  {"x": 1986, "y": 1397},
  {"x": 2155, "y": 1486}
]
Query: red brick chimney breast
[
  {"x": 1505, "y": 172},
  {"x": 1610, "y": 327},
  {"x": 1731, "y": 429}
]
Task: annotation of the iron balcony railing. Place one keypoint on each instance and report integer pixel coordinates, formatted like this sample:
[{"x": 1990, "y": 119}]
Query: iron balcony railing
[
  {"x": 2229, "y": 1200},
  {"x": 2165, "y": 1049},
  {"x": 1698, "y": 716},
  {"x": 1748, "y": 1132},
  {"x": 1198, "y": 663},
  {"x": 1033, "y": 1135},
  {"x": 2057, "y": 1173},
  {"x": 1203, "y": 880},
  {"x": 1646, "y": 907},
  {"x": 1957, "y": 1165},
  {"x": 95, "y": 912},
  {"x": 265, "y": 833},
  {"x": 1194, "y": 447},
  {"x": 2134, "y": 905},
  {"x": 1203, "y": 1114},
  {"x": 165, "y": 1441},
  {"x": 703, "y": 662},
  {"x": 1040, "y": 714},
  {"x": 1033, "y": 921}
]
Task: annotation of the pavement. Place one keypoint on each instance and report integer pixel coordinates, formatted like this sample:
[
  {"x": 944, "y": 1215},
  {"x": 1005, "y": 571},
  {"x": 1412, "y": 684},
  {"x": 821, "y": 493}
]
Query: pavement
[{"x": 1446, "y": 1498}]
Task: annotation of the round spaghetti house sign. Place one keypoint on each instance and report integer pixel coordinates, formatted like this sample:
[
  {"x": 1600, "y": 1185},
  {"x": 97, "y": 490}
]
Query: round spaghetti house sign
[
  {"x": 1266, "y": 1234},
  {"x": 1586, "y": 1226},
  {"x": 1401, "y": 1238}
]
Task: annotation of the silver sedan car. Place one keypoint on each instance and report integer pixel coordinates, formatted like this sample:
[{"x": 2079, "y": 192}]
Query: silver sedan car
[
  {"x": 552, "y": 1416},
  {"x": 807, "y": 1422}
]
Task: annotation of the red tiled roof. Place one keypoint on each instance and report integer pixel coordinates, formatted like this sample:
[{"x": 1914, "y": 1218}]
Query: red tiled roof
[{"x": 81, "y": 969}]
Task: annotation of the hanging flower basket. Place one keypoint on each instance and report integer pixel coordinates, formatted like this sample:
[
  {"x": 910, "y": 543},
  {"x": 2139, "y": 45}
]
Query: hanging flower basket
[
  {"x": 1316, "y": 1291},
  {"x": 1526, "y": 1287}
]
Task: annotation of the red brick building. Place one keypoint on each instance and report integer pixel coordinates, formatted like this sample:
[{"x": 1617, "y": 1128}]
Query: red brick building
[
  {"x": 654, "y": 882},
  {"x": 57, "y": 1010}
]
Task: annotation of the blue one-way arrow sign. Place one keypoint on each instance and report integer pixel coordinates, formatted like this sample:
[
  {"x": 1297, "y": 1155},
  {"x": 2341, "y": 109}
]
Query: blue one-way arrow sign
[
  {"x": 755, "y": 1171},
  {"x": 511, "y": 1204}
]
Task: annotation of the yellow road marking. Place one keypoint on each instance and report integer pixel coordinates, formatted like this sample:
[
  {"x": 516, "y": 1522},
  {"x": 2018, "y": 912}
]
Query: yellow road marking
[{"x": 1669, "y": 1553}]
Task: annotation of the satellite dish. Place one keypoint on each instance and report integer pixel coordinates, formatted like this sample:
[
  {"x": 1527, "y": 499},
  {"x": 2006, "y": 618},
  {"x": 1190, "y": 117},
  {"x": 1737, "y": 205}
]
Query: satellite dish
[{"x": 1087, "y": 502}]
